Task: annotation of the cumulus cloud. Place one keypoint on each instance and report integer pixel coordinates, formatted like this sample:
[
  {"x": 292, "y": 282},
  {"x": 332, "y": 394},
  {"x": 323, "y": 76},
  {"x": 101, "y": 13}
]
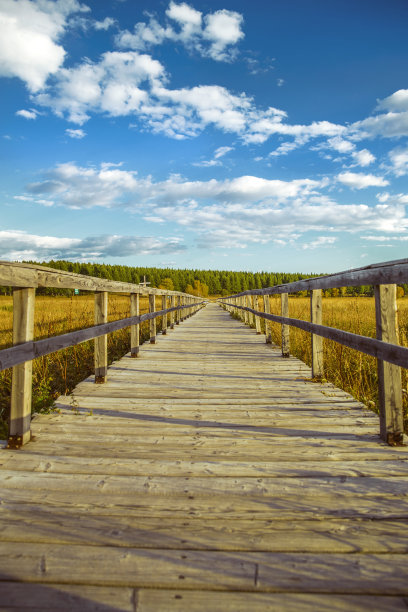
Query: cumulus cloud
[
  {"x": 213, "y": 35},
  {"x": 358, "y": 180},
  {"x": 396, "y": 102},
  {"x": 30, "y": 31},
  {"x": 19, "y": 245},
  {"x": 111, "y": 85},
  {"x": 399, "y": 161}
]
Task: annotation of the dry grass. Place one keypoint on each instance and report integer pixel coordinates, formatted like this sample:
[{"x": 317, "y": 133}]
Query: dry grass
[
  {"x": 348, "y": 369},
  {"x": 60, "y": 372}
]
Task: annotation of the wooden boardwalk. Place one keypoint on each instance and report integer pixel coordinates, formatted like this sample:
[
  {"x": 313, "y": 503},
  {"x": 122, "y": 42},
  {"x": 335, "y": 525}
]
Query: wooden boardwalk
[{"x": 210, "y": 475}]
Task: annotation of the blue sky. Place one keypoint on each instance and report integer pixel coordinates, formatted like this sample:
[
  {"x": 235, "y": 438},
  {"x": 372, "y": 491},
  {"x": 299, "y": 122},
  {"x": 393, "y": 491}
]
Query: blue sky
[{"x": 226, "y": 135}]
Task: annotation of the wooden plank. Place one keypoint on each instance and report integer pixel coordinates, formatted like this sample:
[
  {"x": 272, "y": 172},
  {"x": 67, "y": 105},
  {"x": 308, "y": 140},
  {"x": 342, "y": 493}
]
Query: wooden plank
[
  {"x": 47, "y": 526},
  {"x": 152, "y": 309},
  {"x": 61, "y": 597},
  {"x": 389, "y": 375},
  {"x": 21, "y": 388},
  {"x": 327, "y": 466},
  {"x": 207, "y": 507},
  {"x": 206, "y": 570},
  {"x": 202, "y": 601}
]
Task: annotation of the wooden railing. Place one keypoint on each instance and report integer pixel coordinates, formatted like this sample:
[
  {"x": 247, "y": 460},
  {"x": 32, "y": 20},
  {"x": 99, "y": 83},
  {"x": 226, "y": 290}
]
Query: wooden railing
[
  {"x": 390, "y": 356},
  {"x": 25, "y": 279}
]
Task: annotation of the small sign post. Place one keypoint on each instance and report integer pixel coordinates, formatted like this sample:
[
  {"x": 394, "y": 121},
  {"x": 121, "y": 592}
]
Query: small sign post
[{"x": 76, "y": 291}]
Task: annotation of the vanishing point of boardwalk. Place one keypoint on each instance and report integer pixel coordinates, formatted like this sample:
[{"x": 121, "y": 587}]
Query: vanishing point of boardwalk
[{"x": 209, "y": 474}]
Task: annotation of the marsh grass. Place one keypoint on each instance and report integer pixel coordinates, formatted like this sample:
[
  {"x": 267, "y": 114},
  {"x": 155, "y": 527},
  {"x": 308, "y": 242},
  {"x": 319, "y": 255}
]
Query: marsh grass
[{"x": 60, "y": 372}]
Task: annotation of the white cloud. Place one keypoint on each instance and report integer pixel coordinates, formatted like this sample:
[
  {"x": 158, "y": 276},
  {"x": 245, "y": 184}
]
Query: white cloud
[
  {"x": 248, "y": 209},
  {"x": 358, "y": 180},
  {"x": 111, "y": 86},
  {"x": 218, "y": 153},
  {"x": 221, "y": 151},
  {"x": 284, "y": 149},
  {"x": 30, "y": 31},
  {"x": 386, "y": 238},
  {"x": 363, "y": 157},
  {"x": 217, "y": 39},
  {"x": 321, "y": 241},
  {"x": 78, "y": 134},
  {"x": 105, "y": 24},
  {"x": 27, "y": 114},
  {"x": 223, "y": 29},
  {"x": 19, "y": 245},
  {"x": 399, "y": 161},
  {"x": 340, "y": 145},
  {"x": 280, "y": 82},
  {"x": 397, "y": 102}
]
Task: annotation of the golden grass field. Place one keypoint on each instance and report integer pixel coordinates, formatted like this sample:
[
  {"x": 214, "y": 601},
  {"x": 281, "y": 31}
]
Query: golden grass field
[{"x": 59, "y": 372}]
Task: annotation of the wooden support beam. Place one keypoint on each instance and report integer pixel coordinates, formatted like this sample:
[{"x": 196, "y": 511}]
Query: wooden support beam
[
  {"x": 178, "y": 312},
  {"x": 101, "y": 343},
  {"x": 285, "y": 328},
  {"x": 389, "y": 375},
  {"x": 152, "y": 308},
  {"x": 251, "y": 317},
  {"x": 172, "y": 305},
  {"x": 268, "y": 324},
  {"x": 164, "y": 318},
  {"x": 134, "y": 329},
  {"x": 257, "y": 319},
  {"x": 317, "y": 341},
  {"x": 21, "y": 387}
]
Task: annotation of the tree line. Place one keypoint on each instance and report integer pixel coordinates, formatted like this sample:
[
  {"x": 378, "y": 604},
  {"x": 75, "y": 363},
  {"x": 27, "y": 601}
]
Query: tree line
[{"x": 196, "y": 282}]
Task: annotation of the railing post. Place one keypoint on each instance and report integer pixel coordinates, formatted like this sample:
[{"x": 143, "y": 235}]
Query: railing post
[
  {"x": 241, "y": 302},
  {"x": 246, "y": 304},
  {"x": 251, "y": 318},
  {"x": 257, "y": 319},
  {"x": 389, "y": 375},
  {"x": 268, "y": 324},
  {"x": 134, "y": 329},
  {"x": 317, "y": 341},
  {"x": 152, "y": 308},
  {"x": 21, "y": 386},
  {"x": 285, "y": 328},
  {"x": 101, "y": 343},
  {"x": 178, "y": 312},
  {"x": 172, "y": 305},
  {"x": 164, "y": 318}
]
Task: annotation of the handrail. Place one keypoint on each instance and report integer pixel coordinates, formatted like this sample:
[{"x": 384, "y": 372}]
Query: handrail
[
  {"x": 25, "y": 279},
  {"x": 16, "y": 274},
  {"x": 390, "y": 356}
]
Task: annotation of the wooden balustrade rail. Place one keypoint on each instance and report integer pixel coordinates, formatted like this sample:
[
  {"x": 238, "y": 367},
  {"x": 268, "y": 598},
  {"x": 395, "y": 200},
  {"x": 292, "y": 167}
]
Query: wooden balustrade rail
[
  {"x": 385, "y": 347},
  {"x": 24, "y": 279}
]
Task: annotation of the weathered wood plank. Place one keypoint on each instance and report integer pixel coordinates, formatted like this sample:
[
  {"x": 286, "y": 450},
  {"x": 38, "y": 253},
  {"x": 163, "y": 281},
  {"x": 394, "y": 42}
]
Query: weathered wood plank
[
  {"x": 207, "y": 570},
  {"x": 202, "y": 601},
  {"x": 321, "y": 536}
]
